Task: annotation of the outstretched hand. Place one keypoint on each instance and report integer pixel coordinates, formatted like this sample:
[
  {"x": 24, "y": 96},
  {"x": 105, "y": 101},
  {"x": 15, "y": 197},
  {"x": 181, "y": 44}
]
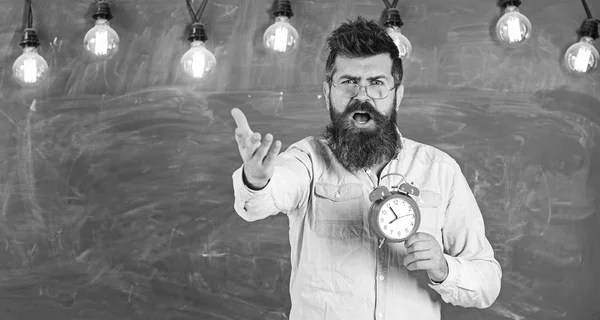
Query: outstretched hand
[{"x": 258, "y": 157}]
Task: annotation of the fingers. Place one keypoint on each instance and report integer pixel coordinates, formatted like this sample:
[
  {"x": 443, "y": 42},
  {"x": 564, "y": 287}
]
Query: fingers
[
  {"x": 254, "y": 141},
  {"x": 417, "y": 237},
  {"x": 261, "y": 152},
  {"x": 424, "y": 253},
  {"x": 268, "y": 151},
  {"x": 247, "y": 144},
  {"x": 418, "y": 256},
  {"x": 272, "y": 154},
  {"x": 247, "y": 140},
  {"x": 421, "y": 265},
  {"x": 251, "y": 148},
  {"x": 240, "y": 120},
  {"x": 419, "y": 246},
  {"x": 243, "y": 138}
]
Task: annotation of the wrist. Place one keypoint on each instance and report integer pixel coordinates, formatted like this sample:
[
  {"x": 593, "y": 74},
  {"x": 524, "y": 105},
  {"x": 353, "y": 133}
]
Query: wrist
[
  {"x": 445, "y": 271},
  {"x": 253, "y": 185}
]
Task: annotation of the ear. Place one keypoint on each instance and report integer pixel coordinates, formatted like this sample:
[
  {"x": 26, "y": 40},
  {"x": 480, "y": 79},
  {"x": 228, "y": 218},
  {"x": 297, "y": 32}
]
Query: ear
[
  {"x": 399, "y": 96},
  {"x": 326, "y": 94}
]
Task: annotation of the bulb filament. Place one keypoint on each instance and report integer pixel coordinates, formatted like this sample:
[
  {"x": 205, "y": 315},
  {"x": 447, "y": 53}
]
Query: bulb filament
[
  {"x": 101, "y": 48},
  {"x": 30, "y": 71},
  {"x": 280, "y": 43},
  {"x": 582, "y": 59},
  {"x": 514, "y": 30},
  {"x": 198, "y": 64}
]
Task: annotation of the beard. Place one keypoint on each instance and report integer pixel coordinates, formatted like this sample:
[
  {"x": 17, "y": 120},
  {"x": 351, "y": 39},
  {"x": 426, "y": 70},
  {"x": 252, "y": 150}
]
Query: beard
[{"x": 359, "y": 148}]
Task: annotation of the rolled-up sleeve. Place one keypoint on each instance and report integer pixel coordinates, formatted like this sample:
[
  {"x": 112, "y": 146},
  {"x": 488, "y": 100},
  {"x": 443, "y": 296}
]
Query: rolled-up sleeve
[
  {"x": 286, "y": 191},
  {"x": 474, "y": 275}
]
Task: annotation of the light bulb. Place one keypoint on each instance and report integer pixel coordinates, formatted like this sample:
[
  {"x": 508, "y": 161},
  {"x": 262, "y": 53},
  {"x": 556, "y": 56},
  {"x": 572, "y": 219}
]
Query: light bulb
[
  {"x": 198, "y": 62},
  {"x": 102, "y": 41},
  {"x": 281, "y": 37},
  {"x": 582, "y": 57},
  {"x": 30, "y": 69},
  {"x": 513, "y": 28},
  {"x": 404, "y": 46}
]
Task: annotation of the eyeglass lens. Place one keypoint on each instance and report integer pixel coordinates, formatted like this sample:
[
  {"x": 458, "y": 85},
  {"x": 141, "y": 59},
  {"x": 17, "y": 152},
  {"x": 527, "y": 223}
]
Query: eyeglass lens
[{"x": 374, "y": 91}]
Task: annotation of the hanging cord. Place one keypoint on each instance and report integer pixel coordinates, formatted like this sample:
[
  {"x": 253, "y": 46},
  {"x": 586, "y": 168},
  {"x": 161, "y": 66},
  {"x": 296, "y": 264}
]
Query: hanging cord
[
  {"x": 587, "y": 9},
  {"x": 29, "y": 38},
  {"x": 590, "y": 26},
  {"x": 198, "y": 14},
  {"x": 29, "y": 15},
  {"x": 389, "y": 6},
  {"x": 392, "y": 15},
  {"x": 197, "y": 33}
]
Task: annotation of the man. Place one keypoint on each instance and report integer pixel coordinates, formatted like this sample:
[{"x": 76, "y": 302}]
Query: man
[{"x": 340, "y": 270}]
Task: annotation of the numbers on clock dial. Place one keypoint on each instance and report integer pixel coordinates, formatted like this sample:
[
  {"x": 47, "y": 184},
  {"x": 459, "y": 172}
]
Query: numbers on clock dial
[{"x": 397, "y": 218}]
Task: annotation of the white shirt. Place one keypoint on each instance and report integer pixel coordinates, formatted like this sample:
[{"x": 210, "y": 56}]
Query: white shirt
[{"x": 338, "y": 270}]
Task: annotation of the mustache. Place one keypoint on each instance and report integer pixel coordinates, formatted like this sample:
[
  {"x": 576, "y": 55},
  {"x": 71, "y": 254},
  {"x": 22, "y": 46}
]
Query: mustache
[{"x": 363, "y": 106}]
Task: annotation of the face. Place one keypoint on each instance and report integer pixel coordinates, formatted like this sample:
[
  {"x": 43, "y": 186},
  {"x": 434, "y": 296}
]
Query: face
[{"x": 362, "y": 132}]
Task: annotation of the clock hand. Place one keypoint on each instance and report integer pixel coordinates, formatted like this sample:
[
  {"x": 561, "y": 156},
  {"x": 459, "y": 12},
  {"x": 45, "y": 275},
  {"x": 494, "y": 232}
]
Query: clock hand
[
  {"x": 406, "y": 215},
  {"x": 395, "y": 215}
]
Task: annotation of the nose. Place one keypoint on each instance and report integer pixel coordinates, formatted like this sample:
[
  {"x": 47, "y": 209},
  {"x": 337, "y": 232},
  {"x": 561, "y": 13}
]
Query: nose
[{"x": 362, "y": 94}]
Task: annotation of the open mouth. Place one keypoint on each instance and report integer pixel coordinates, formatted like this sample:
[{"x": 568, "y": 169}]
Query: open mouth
[{"x": 361, "y": 117}]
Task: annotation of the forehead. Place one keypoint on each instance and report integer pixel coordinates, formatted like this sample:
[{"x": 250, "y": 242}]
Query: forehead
[{"x": 378, "y": 65}]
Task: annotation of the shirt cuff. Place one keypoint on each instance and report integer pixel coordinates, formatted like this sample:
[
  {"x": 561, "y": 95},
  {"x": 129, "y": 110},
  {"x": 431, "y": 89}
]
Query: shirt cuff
[{"x": 240, "y": 187}]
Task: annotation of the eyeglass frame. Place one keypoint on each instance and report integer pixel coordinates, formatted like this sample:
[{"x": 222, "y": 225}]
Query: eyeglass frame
[{"x": 366, "y": 89}]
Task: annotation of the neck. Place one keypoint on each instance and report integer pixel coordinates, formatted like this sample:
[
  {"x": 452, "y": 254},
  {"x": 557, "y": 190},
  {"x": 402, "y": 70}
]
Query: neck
[{"x": 377, "y": 168}]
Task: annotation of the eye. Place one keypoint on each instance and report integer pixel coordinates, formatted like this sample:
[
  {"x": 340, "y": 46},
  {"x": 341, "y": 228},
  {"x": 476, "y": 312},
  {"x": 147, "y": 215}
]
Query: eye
[
  {"x": 349, "y": 81},
  {"x": 377, "y": 83}
]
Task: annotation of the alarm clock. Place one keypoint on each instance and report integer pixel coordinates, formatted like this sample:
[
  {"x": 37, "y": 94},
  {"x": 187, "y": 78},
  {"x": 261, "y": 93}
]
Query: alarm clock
[{"x": 394, "y": 216}]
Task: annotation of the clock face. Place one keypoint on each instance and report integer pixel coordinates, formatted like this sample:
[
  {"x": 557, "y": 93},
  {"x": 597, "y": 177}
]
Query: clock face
[{"x": 397, "y": 218}]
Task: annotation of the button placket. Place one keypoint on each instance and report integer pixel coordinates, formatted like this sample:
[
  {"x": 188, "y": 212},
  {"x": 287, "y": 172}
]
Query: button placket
[{"x": 382, "y": 263}]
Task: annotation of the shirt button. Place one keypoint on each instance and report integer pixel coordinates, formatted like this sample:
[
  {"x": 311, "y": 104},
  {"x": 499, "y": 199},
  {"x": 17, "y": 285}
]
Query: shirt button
[
  {"x": 381, "y": 277},
  {"x": 369, "y": 171},
  {"x": 380, "y": 314},
  {"x": 337, "y": 195}
]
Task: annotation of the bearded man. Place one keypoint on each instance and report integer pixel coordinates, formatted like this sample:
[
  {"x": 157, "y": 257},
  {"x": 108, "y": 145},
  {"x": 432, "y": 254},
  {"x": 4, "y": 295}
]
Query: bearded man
[{"x": 340, "y": 269}]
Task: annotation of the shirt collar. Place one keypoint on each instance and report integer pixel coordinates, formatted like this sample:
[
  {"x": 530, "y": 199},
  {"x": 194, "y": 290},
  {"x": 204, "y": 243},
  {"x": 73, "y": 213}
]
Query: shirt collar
[{"x": 400, "y": 144}]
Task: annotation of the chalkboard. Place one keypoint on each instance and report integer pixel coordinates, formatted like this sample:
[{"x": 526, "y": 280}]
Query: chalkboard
[{"x": 115, "y": 184}]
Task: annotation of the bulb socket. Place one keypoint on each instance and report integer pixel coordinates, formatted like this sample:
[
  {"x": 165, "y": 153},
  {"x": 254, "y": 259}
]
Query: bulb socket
[
  {"x": 392, "y": 18},
  {"x": 102, "y": 11},
  {"x": 197, "y": 33},
  {"x": 29, "y": 39},
  {"x": 589, "y": 28},
  {"x": 283, "y": 8},
  {"x": 506, "y": 3}
]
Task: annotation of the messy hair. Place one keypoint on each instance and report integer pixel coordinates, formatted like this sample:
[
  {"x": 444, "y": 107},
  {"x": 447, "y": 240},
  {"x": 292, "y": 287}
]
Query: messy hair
[{"x": 361, "y": 38}]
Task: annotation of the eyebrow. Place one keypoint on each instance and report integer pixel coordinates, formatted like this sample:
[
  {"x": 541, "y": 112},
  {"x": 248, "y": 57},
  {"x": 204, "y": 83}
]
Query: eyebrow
[{"x": 347, "y": 76}]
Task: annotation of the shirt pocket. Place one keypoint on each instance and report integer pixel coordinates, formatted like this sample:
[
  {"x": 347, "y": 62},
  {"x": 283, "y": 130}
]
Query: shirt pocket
[
  {"x": 429, "y": 206},
  {"x": 338, "y": 213}
]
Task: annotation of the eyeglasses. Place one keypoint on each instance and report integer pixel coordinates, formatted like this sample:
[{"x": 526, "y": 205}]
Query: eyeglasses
[{"x": 375, "y": 91}]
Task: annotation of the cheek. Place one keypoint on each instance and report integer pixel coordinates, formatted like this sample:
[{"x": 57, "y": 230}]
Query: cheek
[
  {"x": 385, "y": 109},
  {"x": 338, "y": 104}
]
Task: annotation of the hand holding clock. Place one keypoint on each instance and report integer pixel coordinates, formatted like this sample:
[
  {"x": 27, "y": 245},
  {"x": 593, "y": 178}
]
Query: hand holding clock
[{"x": 424, "y": 253}]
